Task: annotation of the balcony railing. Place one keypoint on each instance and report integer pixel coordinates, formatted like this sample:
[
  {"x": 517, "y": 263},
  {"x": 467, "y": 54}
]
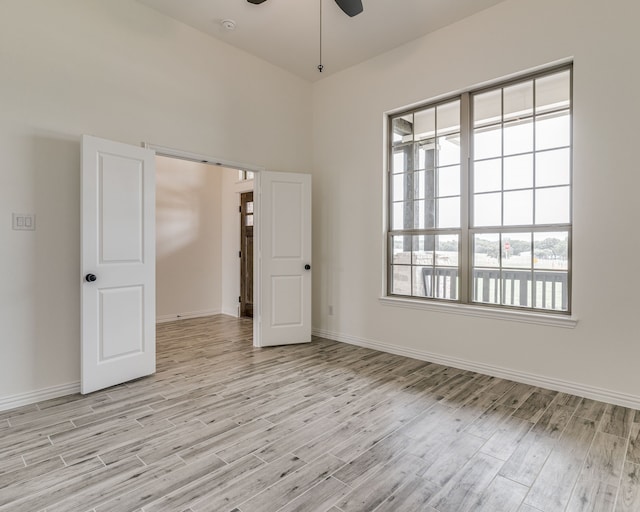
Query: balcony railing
[{"x": 506, "y": 287}]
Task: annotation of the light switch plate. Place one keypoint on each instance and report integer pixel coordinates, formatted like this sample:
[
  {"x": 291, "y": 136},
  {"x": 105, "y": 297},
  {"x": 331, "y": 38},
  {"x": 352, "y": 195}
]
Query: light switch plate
[{"x": 24, "y": 221}]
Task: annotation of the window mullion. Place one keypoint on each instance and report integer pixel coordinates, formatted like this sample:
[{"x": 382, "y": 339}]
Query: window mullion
[{"x": 465, "y": 199}]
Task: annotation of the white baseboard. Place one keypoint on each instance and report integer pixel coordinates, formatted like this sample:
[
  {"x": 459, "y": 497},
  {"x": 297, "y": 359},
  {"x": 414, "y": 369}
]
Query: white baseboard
[
  {"x": 11, "y": 402},
  {"x": 182, "y": 316},
  {"x": 565, "y": 386}
]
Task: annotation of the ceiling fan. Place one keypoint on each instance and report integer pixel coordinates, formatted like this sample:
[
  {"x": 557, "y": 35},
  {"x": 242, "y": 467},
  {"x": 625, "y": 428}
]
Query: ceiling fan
[{"x": 350, "y": 7}]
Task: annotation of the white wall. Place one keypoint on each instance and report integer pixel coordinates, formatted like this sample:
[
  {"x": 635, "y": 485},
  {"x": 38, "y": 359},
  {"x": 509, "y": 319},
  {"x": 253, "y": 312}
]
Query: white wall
[
  {"x": 188, "y": 239},
  {"x": 118, "y": 70},
  {"x": 599, "y": 356},
  {"x": 197, "y": 239}
]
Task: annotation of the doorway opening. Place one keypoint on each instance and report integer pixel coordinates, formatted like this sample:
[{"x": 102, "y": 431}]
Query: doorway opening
[{"x": 200, "y": 232}]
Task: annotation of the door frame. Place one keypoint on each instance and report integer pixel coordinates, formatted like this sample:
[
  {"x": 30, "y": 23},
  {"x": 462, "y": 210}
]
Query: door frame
[
  {"x": 244, "y": 254},
  {"x": 219, "y": 162}
]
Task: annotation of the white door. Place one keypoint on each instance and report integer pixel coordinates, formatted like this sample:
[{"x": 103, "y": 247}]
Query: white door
[
  {"x": 282, "y": 251},
  {"x": 118, "y": 263}
]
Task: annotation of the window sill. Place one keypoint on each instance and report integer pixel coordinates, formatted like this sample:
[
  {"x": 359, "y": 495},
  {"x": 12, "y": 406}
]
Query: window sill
[{"x": 567, "y": 322}]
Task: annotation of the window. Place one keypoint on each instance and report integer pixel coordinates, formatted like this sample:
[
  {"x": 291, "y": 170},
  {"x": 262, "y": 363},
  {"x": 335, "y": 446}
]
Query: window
[
  {"x": 480, "y": 196},
  {"x": 244, "y": 175}
]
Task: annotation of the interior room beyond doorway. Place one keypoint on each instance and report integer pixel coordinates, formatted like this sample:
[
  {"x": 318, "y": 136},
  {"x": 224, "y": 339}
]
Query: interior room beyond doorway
[{"x": 197, "y": 238}]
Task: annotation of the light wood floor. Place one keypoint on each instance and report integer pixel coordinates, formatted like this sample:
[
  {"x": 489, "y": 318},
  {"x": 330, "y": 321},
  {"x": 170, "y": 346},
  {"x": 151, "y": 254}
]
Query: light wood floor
[{"x": 321, "y": 427}]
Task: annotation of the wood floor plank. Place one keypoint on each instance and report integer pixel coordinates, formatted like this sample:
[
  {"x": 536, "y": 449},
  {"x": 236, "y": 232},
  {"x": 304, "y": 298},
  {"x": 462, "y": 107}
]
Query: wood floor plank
[
  {"x": 554, "y": 420},
  {"x": 502, "y": 494},
  {"x": 305, "y": 434},
  {"x": 412, "y": 497},
  {"x": 478, "y": 384},
  {"x": 85, "y": 448},
  {"x": 567, "y": 400},
  {"x": 18, "y": 411},
  {"x": 477, "y": 403},
  {"x": 500, "y": 387},
  {"x": 553, "y": 486},
  {"x": 367, "y": 438},
  {"x": 30, "y": 495},
  {"x": 166, "y": 483},
  {"x": 320, "y": 445},
  {"x": 132, "y": 445},
  {"x": 374, "y": 491},
  {"x": 219, "y": 437},
  {"x": 26, "y": 473},
  {"x": 597, "y": 497},
  {"x": 527, "y": 460},
  {"x": 629, "y": 493},
  {"x": 35, "y": 419},
  {"x": 461, "y": 493},
  {"x": 431, "y": 420},
  {"x": 534, "y": 406},
  {"x": 633, "y": 451},
  {"x": 110, "y": 410},
  {"x": 229, "y": 496},
  {"x": 517, "y": 395},
  {"x": 256, "y": 440},
  {"x": 597, "y": 484},
  {"x": 319, "y": 498},
  {"x": 286, "y": 490},
  {"x": 451, "y": 458},
  {"x": 10, "y": 464},
  {"x": 617, "y": 420},
  {"x": 52, "y": 409},
  {"x": 198, "y": 490},
  {"x": 370, "y": 462},
  {"x": 112, "y": 482},
  {"x": 30, "y": 434},
  {"x": 488, "y": 424},
  {"x": 507, "y": 438},
  {"x": 591, "y": 409}
]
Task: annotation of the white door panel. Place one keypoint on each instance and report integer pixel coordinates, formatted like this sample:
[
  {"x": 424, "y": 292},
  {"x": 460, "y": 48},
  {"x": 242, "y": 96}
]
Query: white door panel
[
  {"x": 283, "y": 232},
  {"x": 118, "y": 248}
]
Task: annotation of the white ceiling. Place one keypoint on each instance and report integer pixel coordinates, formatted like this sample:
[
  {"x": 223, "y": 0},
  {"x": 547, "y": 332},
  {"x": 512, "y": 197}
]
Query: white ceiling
[{"x": 286, "y": 32}]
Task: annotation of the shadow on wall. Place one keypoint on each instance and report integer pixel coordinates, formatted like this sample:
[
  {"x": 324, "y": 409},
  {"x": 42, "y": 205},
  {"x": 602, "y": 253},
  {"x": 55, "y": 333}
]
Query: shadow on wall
[{"x": 54, "y": 283}]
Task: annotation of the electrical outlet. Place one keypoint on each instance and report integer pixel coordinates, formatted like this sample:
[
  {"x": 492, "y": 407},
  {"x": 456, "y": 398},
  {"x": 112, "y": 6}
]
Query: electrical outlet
[
  {"x": 330, "y": 310},
  {"x": 24, "y": 221}
]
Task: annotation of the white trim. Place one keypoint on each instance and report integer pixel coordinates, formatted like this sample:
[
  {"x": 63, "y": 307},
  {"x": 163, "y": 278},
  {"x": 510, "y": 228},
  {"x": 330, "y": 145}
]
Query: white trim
[
  {"x": 567, "y": 322},
  {"x": 565, "y": 386},
  {"x": 31, "y": 397},
  {"x": 183, "y": 316},
  {"x": 198, "y": 157}
]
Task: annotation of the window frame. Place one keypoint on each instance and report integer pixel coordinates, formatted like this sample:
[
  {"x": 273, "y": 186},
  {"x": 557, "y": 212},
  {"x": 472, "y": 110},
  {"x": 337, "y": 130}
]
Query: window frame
[{"x": 467, "y": 229}]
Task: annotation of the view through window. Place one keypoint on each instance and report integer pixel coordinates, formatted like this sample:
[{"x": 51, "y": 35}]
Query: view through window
[{"x": 480, "y": 196}]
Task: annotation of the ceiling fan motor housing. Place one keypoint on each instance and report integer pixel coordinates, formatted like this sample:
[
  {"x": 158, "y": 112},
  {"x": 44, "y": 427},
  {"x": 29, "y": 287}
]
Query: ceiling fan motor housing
[{"x": 350, "y": 7}]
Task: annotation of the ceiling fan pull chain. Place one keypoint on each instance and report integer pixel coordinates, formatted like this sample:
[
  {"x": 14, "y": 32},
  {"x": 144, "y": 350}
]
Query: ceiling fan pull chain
[{"x": 320, "y": 66}]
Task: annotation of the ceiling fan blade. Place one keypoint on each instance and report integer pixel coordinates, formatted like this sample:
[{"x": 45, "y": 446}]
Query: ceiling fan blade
[
  {"x": 350, "y": 7},
  {"x": 256, "y": 2}
]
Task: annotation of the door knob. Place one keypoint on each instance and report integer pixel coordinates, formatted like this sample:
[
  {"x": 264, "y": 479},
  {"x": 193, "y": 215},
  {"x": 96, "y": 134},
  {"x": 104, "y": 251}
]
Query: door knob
[
  {"x": 307, "y": 267},
  {"x": 90, "y": 278}
]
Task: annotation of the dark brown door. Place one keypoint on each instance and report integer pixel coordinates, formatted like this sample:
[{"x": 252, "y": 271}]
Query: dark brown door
[{"x": 246, "y": 254}]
